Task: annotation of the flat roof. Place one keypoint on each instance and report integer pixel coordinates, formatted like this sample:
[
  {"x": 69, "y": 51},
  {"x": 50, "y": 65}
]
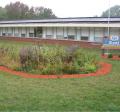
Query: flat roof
[{"x": 64, "y": 20}]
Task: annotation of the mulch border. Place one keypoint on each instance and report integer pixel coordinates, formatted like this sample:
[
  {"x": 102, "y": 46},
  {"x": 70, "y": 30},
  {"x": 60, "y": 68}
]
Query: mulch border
[
  {"x": 113, "y": 58},
  {"x": 104, "y": 70}
]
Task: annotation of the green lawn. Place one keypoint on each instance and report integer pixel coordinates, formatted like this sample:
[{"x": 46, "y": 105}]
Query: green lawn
[{"x": 85, "y": 94}]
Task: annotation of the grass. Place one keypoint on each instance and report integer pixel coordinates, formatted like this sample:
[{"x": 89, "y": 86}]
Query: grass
[{"x": 84, "y": 94}]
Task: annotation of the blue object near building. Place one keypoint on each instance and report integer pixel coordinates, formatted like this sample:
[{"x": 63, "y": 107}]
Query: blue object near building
[{"x": 114, "y": 41}]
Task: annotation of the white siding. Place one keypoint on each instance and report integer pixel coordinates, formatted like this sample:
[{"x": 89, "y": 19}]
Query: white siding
[
  {"x": 23, "y": 30},
  {"x": 54, "y": 33},
  {"x": 105, "y": 31},
  {"x": 114, "y": 32},
  {"x": 44, "y": 32},
  {"x": 9, "y": 30},
  {"x": 0, "y": 31},
  {"x": 60, "y": 33},
  {"x": 85, "y": 32},
  {"x": 99, "y": 34},
  {"x": 92, "y": 34},
  {"x": 49, "y": 31},
  {"x": 17, "y": 32},
  {"x": 4, "y": 30},
  {"x": 31, "y": 30},
  {"x": 65, "y": 32},
  {"x": 71, "y": 31},
  {"x": 78, "y": 33},
  {"x": 27, "y": 31}
]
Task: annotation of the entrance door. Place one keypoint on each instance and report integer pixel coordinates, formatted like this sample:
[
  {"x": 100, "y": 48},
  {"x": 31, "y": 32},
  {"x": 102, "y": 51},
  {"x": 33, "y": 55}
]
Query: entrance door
[{"x": 38, "y": 32}]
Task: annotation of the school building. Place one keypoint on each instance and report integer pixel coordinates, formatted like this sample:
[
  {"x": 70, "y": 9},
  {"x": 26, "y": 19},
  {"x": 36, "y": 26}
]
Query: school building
[{"x": 91, "y": 29}]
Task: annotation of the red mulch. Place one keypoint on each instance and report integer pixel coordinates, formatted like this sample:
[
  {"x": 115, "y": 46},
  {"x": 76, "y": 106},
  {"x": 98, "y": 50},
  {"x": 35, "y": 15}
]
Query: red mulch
[
  {"x": 113, "y": 58},
  {"x": 104, "y": 70}
]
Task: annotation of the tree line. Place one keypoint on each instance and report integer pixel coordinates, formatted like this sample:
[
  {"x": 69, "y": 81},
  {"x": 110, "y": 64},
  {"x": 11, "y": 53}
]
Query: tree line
[
  {"x": 20, "y": 10},
  {"x": 114, "y": 11}
]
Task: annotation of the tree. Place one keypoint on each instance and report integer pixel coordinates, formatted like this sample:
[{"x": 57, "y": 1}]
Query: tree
[
  {"x": 43, "y": 13},
  {"x": 16, "y": 10},
  {"x": 114, "y": 12},
  {"x": 31, "y": 13},
  {"x": 2, "y": 14},
  {"x": 19, "y": 10}
]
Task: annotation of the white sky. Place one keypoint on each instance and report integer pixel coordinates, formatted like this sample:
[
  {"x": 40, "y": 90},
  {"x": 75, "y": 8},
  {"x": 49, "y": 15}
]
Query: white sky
[{"x": 70, "y": 8}]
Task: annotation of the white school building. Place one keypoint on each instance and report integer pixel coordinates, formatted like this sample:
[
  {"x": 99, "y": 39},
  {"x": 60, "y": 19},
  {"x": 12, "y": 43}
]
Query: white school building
[{"x": 91, "y": 29}]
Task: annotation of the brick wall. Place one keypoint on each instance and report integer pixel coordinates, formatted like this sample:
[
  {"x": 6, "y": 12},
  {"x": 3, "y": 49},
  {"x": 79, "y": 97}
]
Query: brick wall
[{"x": 82, "y": 44}]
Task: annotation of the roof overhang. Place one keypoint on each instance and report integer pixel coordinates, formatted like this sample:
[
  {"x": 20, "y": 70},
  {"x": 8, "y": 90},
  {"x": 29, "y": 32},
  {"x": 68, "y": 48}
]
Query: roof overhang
[{"x": 62, "y": 25}]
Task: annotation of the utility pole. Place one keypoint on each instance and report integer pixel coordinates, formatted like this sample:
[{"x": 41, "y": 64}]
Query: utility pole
[
  {"x": 108, "y": 36},
  {"x": 109, "y": 18}
]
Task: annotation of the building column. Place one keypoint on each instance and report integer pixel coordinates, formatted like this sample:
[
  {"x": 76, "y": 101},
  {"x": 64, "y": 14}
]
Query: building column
[
  {"x": 91, "y": 35},
  {"x": 65, "y": 33},
  {"x": 0, "y": 31},
  {"x": 54, "y": 32},
  {"x": 27, "y": 32},
  {"x": 44, "y": 32},
  {"x": 78, "y": 33}
]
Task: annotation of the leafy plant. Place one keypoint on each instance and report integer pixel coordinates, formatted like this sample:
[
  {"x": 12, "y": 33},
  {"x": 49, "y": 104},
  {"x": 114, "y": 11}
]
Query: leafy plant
[
  {"x": 48, "y": 59},
  {"x": 110, "y": 55},
  {"x": 119, "y": 55}
]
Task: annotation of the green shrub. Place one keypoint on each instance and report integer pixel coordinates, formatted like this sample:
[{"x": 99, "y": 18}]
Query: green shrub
[
  {"x": 48, "y": 59},
  {"x": 89, "y": 68},
  {"x": 119, "y": 55},
  {"x": 110, "y": 55}
]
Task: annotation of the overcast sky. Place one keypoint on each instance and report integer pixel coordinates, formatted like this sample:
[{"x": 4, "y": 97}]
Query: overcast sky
[{"x": 70, "y": 8}]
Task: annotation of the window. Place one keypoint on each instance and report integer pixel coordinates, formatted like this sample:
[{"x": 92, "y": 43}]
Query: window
[
  {"x": 39, "y": 35},
  {"x": 31, "y": 34},
  {"x": 3, "y": 34},
  {"x": 98, "y": 39},
  {"x": 16, "y": 34},
  {"x": 49, "y": 32},
  {"x": 48, "y": 36},
  {"x": 59, "y": 36},
  {"x": 9, "y": 34},
  {"x": 71, "y": 36},
  {"x": 22, "y": 35},
  {"x": 65, "y": 37},
  {"x": 38, "y": 32},
  {"x": 59, "y": 32},
  {"x": 84, "y": 38}
]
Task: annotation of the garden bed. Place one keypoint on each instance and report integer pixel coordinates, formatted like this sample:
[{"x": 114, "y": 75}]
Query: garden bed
[
  {"x": 104, "y": 69},
  {"x": 114, "y": 57},
  {"x": 49, "y": 60}
]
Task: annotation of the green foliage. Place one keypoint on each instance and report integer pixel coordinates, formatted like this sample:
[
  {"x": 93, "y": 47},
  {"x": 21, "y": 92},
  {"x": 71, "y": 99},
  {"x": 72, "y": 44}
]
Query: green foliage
[
  {"x": 80, "y": 94},
  {"x": 41, "y": 13},
  {"x": 48, "y": 59},
  {"x": 114, "y": 12},
  {"x": 119, "y": 55},
  {"x": 89, "y": 68},
  {"x": 3, "y": 14},
  {"x": 110, "y": 55},
  {"x": 19, "y": 10}
]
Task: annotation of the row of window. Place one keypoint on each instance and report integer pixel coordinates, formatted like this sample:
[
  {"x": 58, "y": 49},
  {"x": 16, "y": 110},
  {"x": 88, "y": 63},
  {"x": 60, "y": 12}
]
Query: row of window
[
  {"x": 71, "y": 37},
  {"x": 18, "y": 35}
]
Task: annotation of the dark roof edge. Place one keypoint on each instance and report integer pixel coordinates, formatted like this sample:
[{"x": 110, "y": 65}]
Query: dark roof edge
[{"x": 61, "y": 18}]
